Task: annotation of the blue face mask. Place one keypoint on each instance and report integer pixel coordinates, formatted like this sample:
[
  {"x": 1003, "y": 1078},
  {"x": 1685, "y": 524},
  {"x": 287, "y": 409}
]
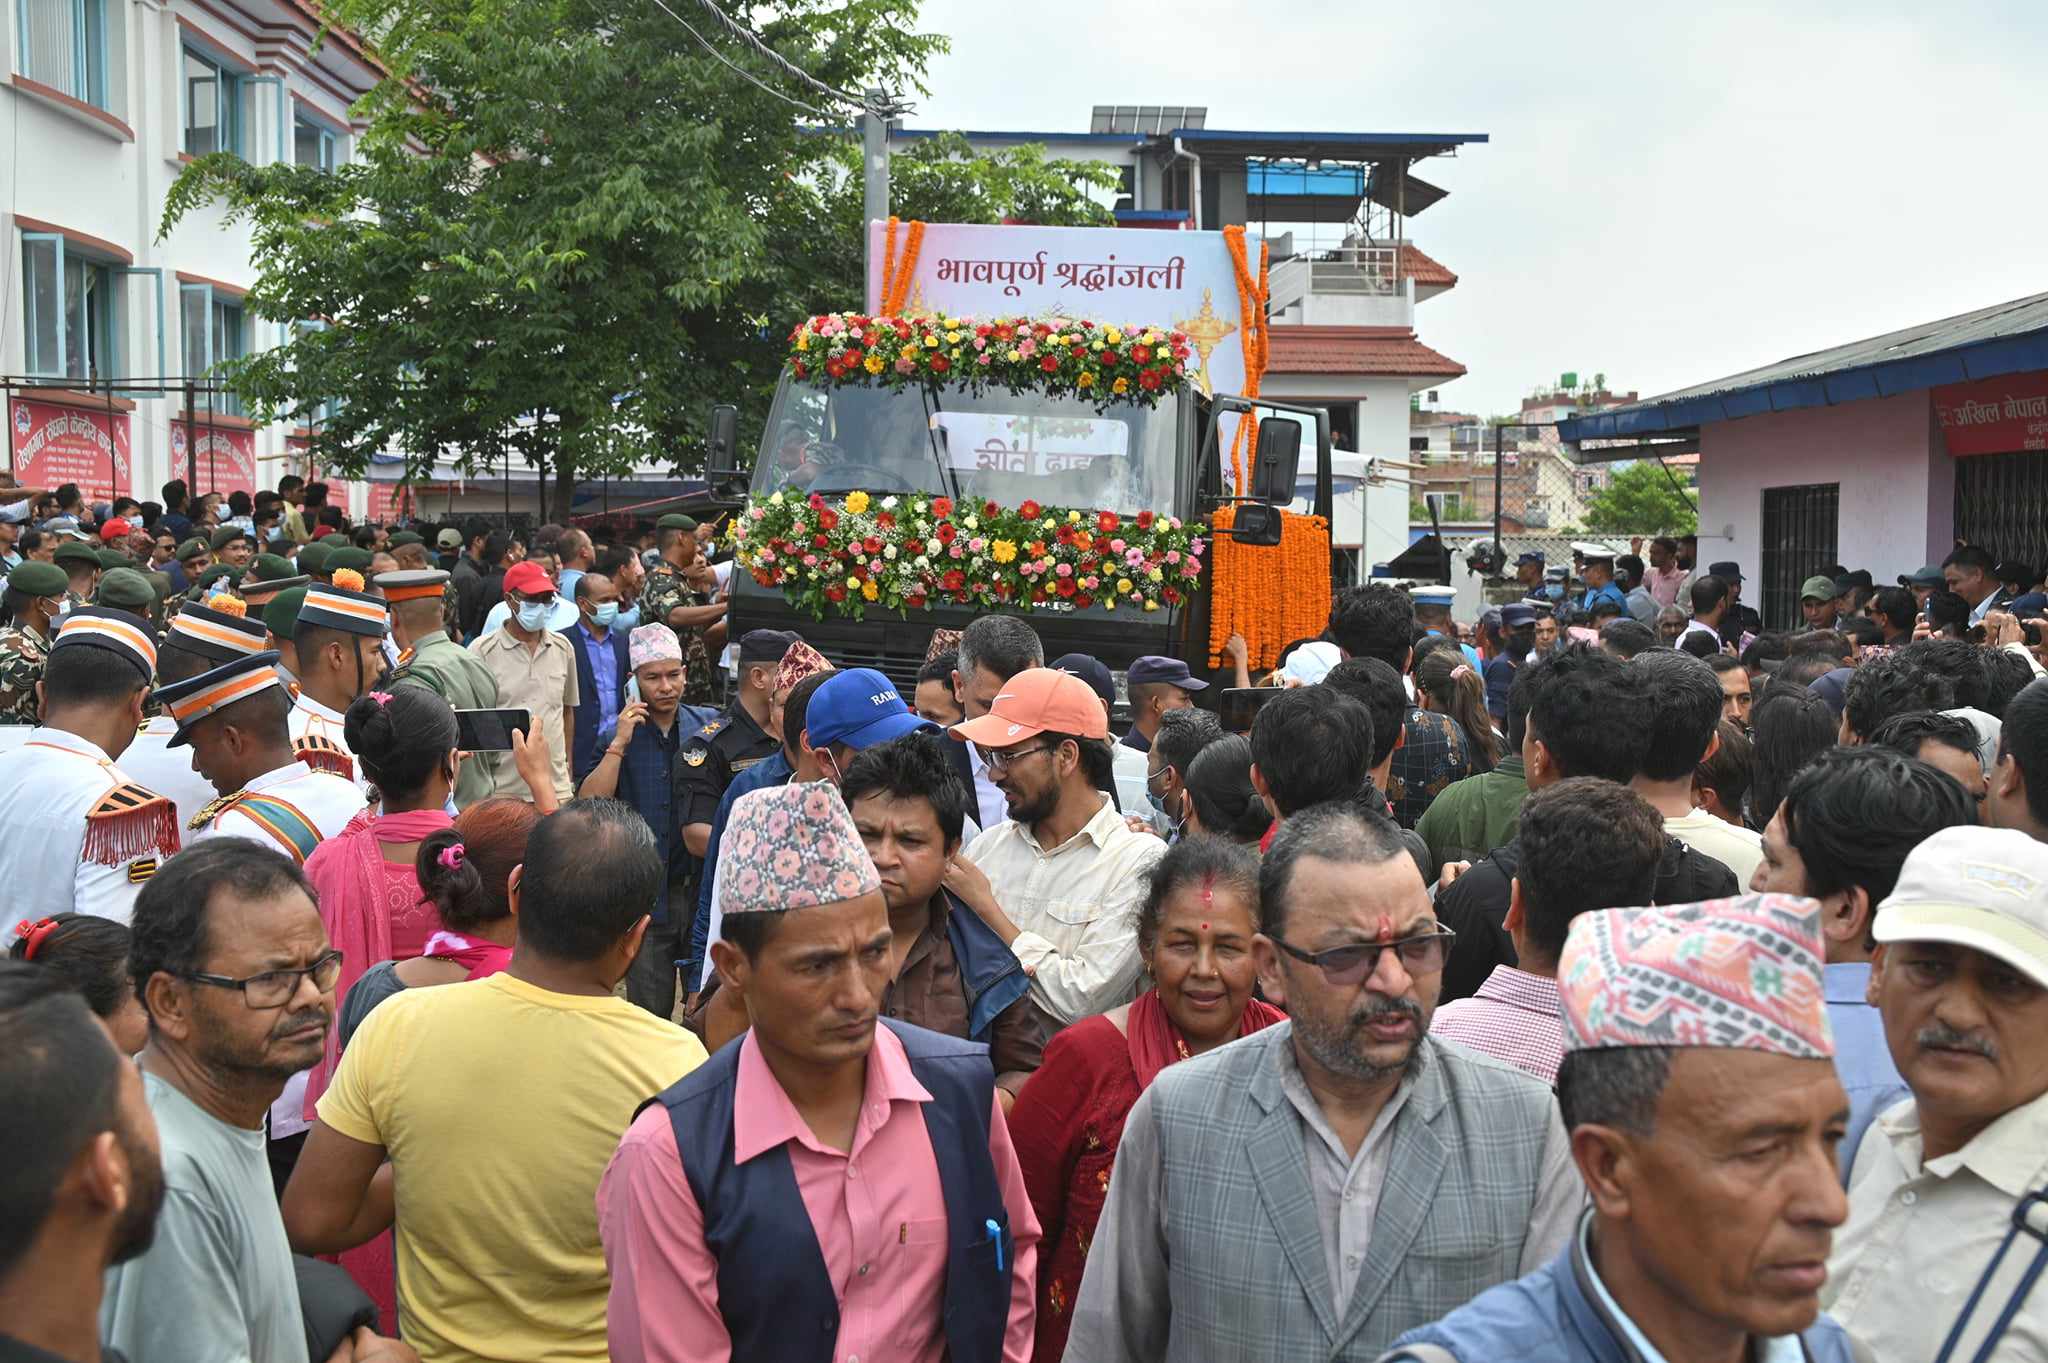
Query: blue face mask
[
  {"x": 627, "y": 619},
  {"x": 605, "y": 616},
  {"x": 533, "y": 616}
]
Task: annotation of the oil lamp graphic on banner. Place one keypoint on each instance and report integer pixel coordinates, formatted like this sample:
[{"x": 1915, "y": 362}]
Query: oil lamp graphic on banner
[{"x": 1205, "y": 331}]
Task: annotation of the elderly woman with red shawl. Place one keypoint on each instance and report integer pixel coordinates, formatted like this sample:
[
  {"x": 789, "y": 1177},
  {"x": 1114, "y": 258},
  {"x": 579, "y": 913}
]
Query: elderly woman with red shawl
[{"x": 1195, "y": 933}]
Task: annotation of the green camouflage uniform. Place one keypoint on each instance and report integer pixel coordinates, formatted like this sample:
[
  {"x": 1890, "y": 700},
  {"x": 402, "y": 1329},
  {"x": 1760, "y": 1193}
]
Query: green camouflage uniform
[
  {"x": 437, "y": 663},
  {"x": 22, "y": 654},
  {"x": 665, "y": 589}
]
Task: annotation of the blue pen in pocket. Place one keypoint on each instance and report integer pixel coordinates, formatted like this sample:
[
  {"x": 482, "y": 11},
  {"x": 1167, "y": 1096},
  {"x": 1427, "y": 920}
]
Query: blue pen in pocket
[{"x": 995, "y": 1235}]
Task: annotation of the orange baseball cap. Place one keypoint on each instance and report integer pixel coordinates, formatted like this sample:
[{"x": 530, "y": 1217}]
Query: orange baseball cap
[{"x": 1034, "y": 702}]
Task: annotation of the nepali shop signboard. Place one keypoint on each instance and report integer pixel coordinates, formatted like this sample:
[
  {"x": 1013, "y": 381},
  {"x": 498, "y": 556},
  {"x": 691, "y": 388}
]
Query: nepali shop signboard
[
  {"x": 1994, "y": 416},
  {"x": 219, "y": 458},
  {"x": 1185, "y": 281},
  {"x": 55, "y": 445}
]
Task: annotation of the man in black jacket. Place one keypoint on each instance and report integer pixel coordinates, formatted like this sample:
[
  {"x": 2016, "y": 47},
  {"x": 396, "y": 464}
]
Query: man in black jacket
[{"x": 1586, "y": 718}]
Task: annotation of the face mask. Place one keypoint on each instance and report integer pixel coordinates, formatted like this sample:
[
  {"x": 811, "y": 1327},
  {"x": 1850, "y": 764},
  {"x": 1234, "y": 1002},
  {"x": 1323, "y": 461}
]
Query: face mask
[
  {"x": 605, "y": 616},
  {"x": 533, "y": 617},
  {"x": 64, "y": 608},
  {"x": 1158, "y": 803},
  {"x": 627, "y": 619}
]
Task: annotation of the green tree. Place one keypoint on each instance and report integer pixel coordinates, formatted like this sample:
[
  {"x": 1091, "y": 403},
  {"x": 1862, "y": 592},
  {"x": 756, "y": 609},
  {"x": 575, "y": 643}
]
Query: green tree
[
  {"x": 570, "y": 229},
  {"x": 1641, "y": 500}
]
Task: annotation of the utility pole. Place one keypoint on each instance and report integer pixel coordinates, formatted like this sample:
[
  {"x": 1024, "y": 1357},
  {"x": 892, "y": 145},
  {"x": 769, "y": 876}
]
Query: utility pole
[{"x": 874, "y": 140}]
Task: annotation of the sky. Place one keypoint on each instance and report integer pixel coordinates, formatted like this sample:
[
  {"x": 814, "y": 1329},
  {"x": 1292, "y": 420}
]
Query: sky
[{"x": 1671, "y": 193}]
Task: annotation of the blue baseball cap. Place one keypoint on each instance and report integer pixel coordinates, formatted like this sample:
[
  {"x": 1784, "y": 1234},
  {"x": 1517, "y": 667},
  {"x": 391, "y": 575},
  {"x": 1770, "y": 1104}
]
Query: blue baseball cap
[
  {"x": 1516, "y": 614},
  {"x": 1529, "y": 556},
  {"x": 860, "y": 708},
  {"x": 1154, "y": 668}
]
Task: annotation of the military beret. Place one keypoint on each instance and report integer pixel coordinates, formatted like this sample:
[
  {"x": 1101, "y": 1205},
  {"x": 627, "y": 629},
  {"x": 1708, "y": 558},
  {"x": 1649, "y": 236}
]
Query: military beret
[
  {"x": 32, "y": 577},
  {"x": 72, "y": 551},
  {"x": 114, "y": 558},
  {"x": 125, "y": 589},
  {"x": 675, "y": 520},
  {"x": 313, "y": 557},
  {"x": 189, "y": 548},
  {"x": 225, "y": 536},
  {"x": 270, "y": 568},
  {"x": 347, "y": 556},
  {"x": 281, "y": 612},
  {"x": 405, "y": 537}
]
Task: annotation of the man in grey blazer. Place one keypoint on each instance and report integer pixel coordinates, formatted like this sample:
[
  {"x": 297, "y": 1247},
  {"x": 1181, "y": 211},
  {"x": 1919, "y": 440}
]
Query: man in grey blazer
[{"x": 1316, "y": 1189}]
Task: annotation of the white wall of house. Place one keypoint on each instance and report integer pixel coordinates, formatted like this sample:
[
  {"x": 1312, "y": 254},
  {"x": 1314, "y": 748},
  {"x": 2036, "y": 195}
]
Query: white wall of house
[{"x": 1897, "y": 482}]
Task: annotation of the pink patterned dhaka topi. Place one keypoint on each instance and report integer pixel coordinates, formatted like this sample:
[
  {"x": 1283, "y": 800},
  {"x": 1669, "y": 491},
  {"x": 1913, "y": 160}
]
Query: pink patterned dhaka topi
[
  {"x": 1741, "y": 973},
  {"x": 792, "y": 847}
]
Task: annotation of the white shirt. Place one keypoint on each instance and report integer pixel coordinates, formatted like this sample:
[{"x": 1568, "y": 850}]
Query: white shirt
[
  {"x": 166, "y": 770},
  {"x": 326, "y": 801},
  {"x": 1921, "y": 1232},
  {"x": 310, "y": 718},
  {"x": 1739, "y": 849},
  {"x": 47, "y": 787},
  {"x": 1075, "y": 905},
  {"x": 1130, "y": 767},
  {"x": 989, "y": 803},
  {"x": 560, "y": 618}
]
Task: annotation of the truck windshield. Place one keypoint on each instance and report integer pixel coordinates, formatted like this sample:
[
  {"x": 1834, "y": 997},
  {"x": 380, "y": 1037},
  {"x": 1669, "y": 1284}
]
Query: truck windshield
[{"x": 999, "y": 447}]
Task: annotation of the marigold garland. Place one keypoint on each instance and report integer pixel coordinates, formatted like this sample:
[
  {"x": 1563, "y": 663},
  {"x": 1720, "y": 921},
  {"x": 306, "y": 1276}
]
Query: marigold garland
[
  {"x": 897, "y": 272},
  {"x": 1272, "y": 595},
  {"x": 1251, "y": 309}
]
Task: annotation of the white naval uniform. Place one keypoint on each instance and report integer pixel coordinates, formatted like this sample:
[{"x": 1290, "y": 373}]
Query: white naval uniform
[
  {"x": 48, "y": 786},
  {"x": 166, "y": 770},
  {"x": 328, "y": 803},
  {"x": 309, "y": 716}
]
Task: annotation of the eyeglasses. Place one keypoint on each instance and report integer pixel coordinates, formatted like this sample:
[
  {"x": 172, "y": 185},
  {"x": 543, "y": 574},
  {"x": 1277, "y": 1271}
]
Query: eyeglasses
[
  {"x": 1424, "y": 954},
  {"x": 1003, "y": 761},
  {"x": 274, "y": 988}
]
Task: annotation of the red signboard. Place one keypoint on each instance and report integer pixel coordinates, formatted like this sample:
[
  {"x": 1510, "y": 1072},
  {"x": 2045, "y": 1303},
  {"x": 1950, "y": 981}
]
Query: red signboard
[
  {"x": 223, "y": 458},
  {"x": 1994, "y": 416},
  {"x": 56, "y": 445},
  {"x": 390, "y": 502}
]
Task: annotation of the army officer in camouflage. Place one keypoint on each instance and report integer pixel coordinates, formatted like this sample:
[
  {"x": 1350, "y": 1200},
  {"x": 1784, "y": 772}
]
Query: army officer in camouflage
[
  {"x": 430, "y": 659},
  {"x": 35, "y": 592},
  {"x": 678, "y": 594}
]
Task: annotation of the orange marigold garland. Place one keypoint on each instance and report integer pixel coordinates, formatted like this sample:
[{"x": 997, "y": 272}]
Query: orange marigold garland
[
  {"x": 897, "y": 271},
  {"x": 1251, "y": 309},
  {"x": 1271, "y": 595}
]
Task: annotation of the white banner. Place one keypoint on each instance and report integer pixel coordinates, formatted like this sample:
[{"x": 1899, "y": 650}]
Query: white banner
[
  {"x": 999, "y": 442},
  {"x": 1120, "y": 276}
]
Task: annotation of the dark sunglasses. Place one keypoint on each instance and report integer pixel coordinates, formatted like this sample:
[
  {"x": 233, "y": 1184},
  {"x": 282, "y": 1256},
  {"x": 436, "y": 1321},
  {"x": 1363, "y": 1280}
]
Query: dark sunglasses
[{"x": 1423, "y": 954}]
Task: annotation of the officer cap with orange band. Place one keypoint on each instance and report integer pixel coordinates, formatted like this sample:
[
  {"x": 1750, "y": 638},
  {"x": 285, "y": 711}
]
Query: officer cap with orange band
[
  {"x": 335, "y": 607},
  {"x": 219, "y": 630},
  {"x": 190, "y": 701},
  {"x": 412, "y": 584},
  {"x": 121, "y": 633}
]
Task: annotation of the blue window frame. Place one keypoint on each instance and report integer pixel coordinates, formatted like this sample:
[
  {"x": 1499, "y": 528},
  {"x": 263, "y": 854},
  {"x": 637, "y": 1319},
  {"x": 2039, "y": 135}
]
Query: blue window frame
[
  {"x": 215, "y": 100},
  {"x": 63, "y": 45},
  {"x": 71, "y": 311},
  {"x": 216, "y": 331},
  {"x": 315, "y": 144}
]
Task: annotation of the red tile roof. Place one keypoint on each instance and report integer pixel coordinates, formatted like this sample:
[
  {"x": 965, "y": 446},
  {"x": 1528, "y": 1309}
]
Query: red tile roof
[
  {"x": 1423, "y": 270},
  {"x": 1356, "y": 350}
]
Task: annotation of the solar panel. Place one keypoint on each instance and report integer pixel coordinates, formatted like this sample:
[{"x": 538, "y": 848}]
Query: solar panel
[{"x": 1147, "y": 120}]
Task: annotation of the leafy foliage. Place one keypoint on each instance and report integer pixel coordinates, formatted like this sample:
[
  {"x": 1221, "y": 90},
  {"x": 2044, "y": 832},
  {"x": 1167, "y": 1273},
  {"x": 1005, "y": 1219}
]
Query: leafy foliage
[
  {"x": 570, "y": 229},
  {"x": 1640, "y": 499}
]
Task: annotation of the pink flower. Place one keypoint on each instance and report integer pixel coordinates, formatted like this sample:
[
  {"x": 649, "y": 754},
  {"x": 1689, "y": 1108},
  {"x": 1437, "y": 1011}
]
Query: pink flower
[
  {"x": 1065, "y": 570},
  {"x": 1116, "y": 546},
  {"x": 1173, "y": 556},
  {"x": 810, "y": 560},
  {"x": 958, "y": 551},
  {"x": 981, "y": 343},
  {"x": 1135, "y": 557},
  {"x": 983, "y": 358},
  {"x": 758, "y": 513},
  {"x": 1090, "y": 583},
  {"x": 1173, "y": 522},
  {"x": 1028, "y": 349},
  {"x": 1192, "y": 567},
  {"x": 1195, "y": 545},
  {"x": 767, "y": 556},
  {"x": 829, "y": 327},
  {"x": 905, "y": 365},
  {"x": 977, "y": 544}
]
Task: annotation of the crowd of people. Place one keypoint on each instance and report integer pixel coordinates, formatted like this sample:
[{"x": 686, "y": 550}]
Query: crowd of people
[{"x": 1560, "y": 985}]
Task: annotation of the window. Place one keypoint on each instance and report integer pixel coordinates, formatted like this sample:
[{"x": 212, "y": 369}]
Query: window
[
  {"x": 215, "y": 332},
  {"x": 64, "y": 46},
  {"x": 72, "y": 317},
  {"x": 1800, "y": 530},
  {"x": 213, "y": 106},
  {"x": 315, "y": 145},
  {"x": 1998, "y": 504}
]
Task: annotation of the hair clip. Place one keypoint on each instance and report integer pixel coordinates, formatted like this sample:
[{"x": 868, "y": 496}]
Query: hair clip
[
  {"x": 383, "y": 698},
  {"x": 35, "y": 933},
  {"x": 451, "y": 857}
]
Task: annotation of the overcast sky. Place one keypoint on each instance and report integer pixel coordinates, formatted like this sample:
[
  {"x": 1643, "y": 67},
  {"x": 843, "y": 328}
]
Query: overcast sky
[{"x": 1671, "y": 193}]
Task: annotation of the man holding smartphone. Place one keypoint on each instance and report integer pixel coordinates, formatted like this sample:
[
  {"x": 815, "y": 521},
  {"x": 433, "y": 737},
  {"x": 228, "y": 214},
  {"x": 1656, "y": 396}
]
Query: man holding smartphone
[{"x": 535, "y": 670}]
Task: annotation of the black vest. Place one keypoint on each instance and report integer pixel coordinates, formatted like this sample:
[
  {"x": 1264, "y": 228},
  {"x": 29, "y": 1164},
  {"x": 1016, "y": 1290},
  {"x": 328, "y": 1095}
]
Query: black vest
[{"x": 773, "y": 1290}]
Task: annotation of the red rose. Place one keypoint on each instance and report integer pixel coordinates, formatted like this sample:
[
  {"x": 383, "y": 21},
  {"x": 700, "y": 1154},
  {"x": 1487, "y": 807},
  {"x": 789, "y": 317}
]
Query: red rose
[
  {"x": 990, "y": 510},
  {"x": 1050, "y": 364},
  {"x": 954, "y": 580},
  {"x": 1149, "y": 380},
  {"x": 801, "y": 372},
  {"x": 942, "y": 506},
  {"x": 1145, "y": 520},
  {"x": 817, "y": 503},
  {"x": 1081, "y": 353},
  {"x": 1172, "y": 597},
  {"x": 1106, "y": 522},
  {"x": 852, "y": 358},
  {"x": 857, "y": 321},
  {"x": 903, "y": 331},
  {"x": 915, "y": 603},
  {"x": 835, "y": 592},
  {"x": 827, "y": 518},
  {"x": 1065, "y": 586},
  {"x": 820, "y": 542},
  {"x": 1029, "y": 510},
  {"x": 940, "y": 364},
  {"x": 1066, "y": 534},
  {"x": 1038, "y": 596},
  {"x": 1109, "y": 359},
  {"x": 1005, "y": 332},
  {"x": 947, "y": 534},
  {"x": 1083, "y": 601},
  {"x": 873, "y": 544},
  {"x": 886, "y": 519},
  {"x": 859, "y": 570}
]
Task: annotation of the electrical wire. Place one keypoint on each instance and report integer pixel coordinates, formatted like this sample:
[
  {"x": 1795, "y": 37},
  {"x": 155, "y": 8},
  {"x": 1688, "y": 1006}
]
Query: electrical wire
[
  {"x": 885, "y": 106},
  {"x": 738, "y": 70}
]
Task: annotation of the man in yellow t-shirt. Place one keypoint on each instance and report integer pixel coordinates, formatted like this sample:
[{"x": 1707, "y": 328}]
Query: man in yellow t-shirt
[{"x": 498, "y": 1103}]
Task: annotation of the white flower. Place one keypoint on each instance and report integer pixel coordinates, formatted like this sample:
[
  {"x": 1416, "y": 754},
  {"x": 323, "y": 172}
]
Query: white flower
[
  {"x": 888, "y": 503},
  {"x": 920, "y": 506},
  {"x": 971, "y": 523},
  {"x": 889, "y": 552},
  {"x": 775, "y": 500},
  {"x": 924, "y": 561}
]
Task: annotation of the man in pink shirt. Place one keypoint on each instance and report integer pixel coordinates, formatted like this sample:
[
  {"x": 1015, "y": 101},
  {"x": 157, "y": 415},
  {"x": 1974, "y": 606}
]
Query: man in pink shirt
[
  {"x": 825, "y": 1188},
  {"x": 1667, "y": 575}
]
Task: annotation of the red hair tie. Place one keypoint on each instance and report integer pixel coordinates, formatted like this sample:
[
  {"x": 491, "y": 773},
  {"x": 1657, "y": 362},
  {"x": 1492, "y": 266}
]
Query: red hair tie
[{"x": 37, "y": 933}]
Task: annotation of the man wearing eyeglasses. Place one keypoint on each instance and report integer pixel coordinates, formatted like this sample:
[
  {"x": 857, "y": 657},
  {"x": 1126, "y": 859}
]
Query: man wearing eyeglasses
[
  {"x": 1059, "y": 880},
  {"x": 237, "y": 975},
  {"x": 1316, "y": 1189}
]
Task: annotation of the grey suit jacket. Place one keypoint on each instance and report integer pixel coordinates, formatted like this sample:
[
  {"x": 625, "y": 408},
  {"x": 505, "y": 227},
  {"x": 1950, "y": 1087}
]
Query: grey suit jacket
[{"x": 1210, "y": 1249}]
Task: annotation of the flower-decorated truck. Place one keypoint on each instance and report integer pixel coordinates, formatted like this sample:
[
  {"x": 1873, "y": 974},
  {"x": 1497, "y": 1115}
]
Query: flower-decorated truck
[{"x": 922, "y": 465}]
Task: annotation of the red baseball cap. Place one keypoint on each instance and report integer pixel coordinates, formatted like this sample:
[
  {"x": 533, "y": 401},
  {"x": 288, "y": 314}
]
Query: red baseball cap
[
  {"x": 115, "y": 529},
  {"x": 1034, "y": 702},
  {"x": 528, "y": 579}
]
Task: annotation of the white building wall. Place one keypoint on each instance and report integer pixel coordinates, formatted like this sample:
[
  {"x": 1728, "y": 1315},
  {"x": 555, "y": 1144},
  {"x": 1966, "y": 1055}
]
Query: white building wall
[{"x": 95, "y": 178}]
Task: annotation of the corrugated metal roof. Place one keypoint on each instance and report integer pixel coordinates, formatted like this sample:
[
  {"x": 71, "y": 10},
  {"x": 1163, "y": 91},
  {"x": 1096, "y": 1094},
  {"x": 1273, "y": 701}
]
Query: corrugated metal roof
[{"x": 2005, "y": 338}]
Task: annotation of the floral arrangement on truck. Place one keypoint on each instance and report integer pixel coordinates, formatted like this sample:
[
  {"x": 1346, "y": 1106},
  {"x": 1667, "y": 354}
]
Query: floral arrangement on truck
[
  {"x": 906, "y": 552},
  {"x": 844, "y": 553}
]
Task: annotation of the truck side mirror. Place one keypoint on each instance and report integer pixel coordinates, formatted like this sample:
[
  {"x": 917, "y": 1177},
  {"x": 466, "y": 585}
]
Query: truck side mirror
[
  {"x": 721, "y": 458},
  {"x": 1277, "y": 461}
]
